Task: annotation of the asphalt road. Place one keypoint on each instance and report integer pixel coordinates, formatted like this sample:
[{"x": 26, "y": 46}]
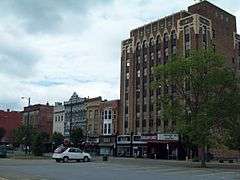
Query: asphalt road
[{"x": 117, "y": 170}]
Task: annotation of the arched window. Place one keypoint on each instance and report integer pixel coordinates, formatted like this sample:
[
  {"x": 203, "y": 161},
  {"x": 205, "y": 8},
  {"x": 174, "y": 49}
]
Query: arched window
[
  {"x": 138, "y": 46},
  {"x": 173, "y": 42},
  {"x": 165, "y": 47},
  {"x": 151, "y": 42},
  {"x": 158, "y": 40},
  {"x": 144, "y": 44},
  {"x": 165, "y": 40}
]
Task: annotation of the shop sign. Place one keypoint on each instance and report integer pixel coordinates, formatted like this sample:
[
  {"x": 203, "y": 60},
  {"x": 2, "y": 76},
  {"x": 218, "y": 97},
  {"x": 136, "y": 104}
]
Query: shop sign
[
  {"x": 148, "y": 137},
  {"x": 168, "y": 137}
]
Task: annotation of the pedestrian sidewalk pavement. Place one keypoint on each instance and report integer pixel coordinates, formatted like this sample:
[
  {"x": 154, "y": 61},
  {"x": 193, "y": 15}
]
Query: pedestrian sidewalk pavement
[{"x": 153, "y": 162}]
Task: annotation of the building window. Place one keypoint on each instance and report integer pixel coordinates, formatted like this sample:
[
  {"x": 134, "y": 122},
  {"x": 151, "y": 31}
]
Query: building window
[
  {"x": 187, "y": 45},
  {"x": 138, "y": 46},
  {"x": 174, "y": 42},
  {"x": 152, "y": 56},
  {"x": 145, "y": 58},
  {"x": 204, "y": 36},
  {"x": 106, "y": 140},
  {"x": 165, "y": 47},
  {"x": 109, "y": 114},
  {"x": 128, "y": 64},
  {"x": 158, "y": 122},
  {"x": 126, "y": 124},
  {"x": 158, "y": 42},
  {"x": 165, "y": 40},
  {"x": 105, "y": 114},
  {"x": 138, "y": 73},
  {"x": 137, "y": 123},
  {"x": 150, "y": 122},
  {"x": 128, "y": 49},
  {"x": 151, "y": 42},
  {"x": 126, "y": 109},
  {"x": 105, "y": 129},
  {"x": 145, "y": 72},
  {"x": 144, "y": 108},
  {"x": 127, "y": 75},
  {"x": 144, "y": 123},
  {"x": 144, "y": 44},
  {"x": 151, "y": 106},
  {"x": 109, "y": 128},
  {"x": 138, "y": 59},
  {"x": 138, "y": 108}
]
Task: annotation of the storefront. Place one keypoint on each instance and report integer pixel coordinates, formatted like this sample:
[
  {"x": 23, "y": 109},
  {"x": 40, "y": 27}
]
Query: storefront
[
  {"x": 128, "y": 146},
  {"x": 163, "y": 146},
  {"x": 107, "y": 145},
  {"x": 124, "y": 146}
]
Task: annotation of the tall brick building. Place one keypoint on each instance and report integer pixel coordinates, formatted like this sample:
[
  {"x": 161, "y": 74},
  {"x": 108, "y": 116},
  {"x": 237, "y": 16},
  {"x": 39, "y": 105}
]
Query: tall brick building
[{"x": 203, "y": 25}]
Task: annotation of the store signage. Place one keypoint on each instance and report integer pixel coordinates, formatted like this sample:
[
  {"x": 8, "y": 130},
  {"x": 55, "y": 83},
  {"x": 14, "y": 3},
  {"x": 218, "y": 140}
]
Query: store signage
[
  {"x": 168, "y": 137},
  {"x": 148, "y": 137}
]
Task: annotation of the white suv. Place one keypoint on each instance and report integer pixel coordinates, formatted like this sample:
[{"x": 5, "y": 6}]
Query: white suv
[{"x": 65, "y": 154}]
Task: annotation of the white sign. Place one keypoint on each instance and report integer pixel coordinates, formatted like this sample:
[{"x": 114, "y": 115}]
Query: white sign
[{"x": 168, "y": 137}]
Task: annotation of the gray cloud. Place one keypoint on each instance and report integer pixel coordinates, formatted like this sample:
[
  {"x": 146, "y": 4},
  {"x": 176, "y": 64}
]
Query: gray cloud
[
  {"x": 17, "y": 61},
  {"x": 47, "y": 16}
]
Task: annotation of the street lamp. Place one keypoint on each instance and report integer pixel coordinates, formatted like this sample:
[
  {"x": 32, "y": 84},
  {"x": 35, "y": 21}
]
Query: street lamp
[{"x": 28, "y": 122}]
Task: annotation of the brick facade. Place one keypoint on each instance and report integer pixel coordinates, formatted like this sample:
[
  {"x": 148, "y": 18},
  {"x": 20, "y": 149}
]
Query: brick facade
[
  {"x": 9, "y": 120},
  {"x": 204, "y": 25},
  {"x": 40, "y": 117}
]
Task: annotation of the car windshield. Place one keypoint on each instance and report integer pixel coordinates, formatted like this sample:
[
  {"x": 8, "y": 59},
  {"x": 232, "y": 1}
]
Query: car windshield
[{"x": 60, "y": 149}]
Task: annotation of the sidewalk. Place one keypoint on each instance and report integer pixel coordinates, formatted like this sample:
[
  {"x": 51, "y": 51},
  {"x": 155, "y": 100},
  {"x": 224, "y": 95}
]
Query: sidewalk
[{"x": 152, "y": 162}]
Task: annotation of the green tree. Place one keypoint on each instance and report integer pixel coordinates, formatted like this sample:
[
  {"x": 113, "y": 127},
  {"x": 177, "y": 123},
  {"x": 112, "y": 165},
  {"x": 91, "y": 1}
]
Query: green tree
[
  {"x": 77, "y": 136},
  {"x": 2, "y": 133},
  {"x": 199, "y": 93},
  {"x": 23, "y": 134},
  {"x": 57, "y": 139},
  {"x": 38, "y": 141}
]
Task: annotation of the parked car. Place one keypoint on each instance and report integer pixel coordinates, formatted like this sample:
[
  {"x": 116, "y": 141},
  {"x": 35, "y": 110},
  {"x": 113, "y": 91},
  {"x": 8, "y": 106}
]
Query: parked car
[
  {"x": 3, "y": 151},
  {"x": 70, "y": 153}
]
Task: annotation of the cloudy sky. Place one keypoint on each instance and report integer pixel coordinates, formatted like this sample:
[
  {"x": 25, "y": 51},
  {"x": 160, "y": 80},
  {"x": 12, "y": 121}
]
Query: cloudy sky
[{"x": 50, "y": 48}]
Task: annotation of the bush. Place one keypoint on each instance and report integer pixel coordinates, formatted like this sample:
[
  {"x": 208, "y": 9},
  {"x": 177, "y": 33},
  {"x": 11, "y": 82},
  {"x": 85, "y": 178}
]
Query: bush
[{"x": 38, "y": 147}]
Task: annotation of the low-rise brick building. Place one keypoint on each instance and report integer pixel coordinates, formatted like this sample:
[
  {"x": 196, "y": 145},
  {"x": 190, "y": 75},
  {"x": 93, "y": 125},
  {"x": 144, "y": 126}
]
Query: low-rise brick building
[
  {"x": 9, "y": 120},
  {"x": 39, "y": 116}
]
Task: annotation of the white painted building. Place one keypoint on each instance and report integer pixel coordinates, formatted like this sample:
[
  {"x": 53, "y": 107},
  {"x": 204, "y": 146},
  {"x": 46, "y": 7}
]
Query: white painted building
[{"x": 59, "y": 118}]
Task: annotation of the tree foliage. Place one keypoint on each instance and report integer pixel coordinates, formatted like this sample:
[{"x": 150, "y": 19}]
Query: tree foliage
[
  {"x": 23, "y": 134},
  {"x": 57, "y": 139},
  {"x": 38, "y": 140},
  {"x": 77, "y": 136},
  {"x": 201, "y": 94}
]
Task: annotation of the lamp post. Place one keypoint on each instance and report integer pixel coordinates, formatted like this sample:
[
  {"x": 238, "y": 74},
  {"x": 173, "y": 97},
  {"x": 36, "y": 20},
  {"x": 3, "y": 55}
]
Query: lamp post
[{"x": 27, "y": 144}]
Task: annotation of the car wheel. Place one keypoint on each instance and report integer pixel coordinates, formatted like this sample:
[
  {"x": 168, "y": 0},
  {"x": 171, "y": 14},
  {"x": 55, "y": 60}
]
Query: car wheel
[
  {"x": 85, "y": 159},
  {"x": 58, "y": 160},
  {"x": 65, "y": 159}
]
